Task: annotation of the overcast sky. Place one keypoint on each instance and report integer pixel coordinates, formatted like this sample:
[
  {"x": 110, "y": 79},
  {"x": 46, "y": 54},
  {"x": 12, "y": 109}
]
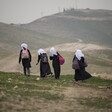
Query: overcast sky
[{"x": 25, "y": 11}]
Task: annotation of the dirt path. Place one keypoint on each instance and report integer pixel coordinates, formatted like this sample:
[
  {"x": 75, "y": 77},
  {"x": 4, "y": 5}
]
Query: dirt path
[
  {"x": 9, "y": 64},
  {"x": 71, "y": 47},
  {"x": 104, "y": 76},
  {"x": 85, "y": 18}
]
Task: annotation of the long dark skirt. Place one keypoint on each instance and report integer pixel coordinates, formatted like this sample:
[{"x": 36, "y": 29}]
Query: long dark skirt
[
  {"x": 81, "y": 75},
  {"x": 26, "y": 63},
  {"x": 44, "y": 69},
  {"x": 56, "y": 67}
]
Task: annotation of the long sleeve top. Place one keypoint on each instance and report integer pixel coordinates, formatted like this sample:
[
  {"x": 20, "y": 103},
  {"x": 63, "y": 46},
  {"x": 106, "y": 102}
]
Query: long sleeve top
[{"x": 39, "y": 57}]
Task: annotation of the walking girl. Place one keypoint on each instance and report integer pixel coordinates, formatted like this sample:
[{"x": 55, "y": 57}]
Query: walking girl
[
  {"x": 25, "y": 56},
  {"x": 79, "y": 64},
  {"x": 44, "y": 64},
  {"x": 55, "y": 62}
]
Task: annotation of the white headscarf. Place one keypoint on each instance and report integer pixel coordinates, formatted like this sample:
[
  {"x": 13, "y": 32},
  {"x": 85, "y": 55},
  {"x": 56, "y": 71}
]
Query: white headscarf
[
  {"x": 52, "y": 51},
  {"x": 24, "y": 45},
  {"x": 40, "y": 51},
  {"x": 79, "y": 54}
]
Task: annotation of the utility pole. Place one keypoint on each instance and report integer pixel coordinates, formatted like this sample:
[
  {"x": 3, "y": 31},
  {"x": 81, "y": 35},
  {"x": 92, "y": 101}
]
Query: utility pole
[
  {"x": 76, "y": 4},
  {"x": 59, "y": 9},
  {"x": 41, "y": 13}
]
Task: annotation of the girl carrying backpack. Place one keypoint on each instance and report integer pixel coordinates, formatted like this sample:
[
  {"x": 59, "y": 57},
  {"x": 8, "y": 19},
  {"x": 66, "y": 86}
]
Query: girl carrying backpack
[
  {"x": 54, "y": 56},
  {"x": 44, "y": 64},
  {"x": 25, "y": 56},
  {"x": 79, "y": 64}
]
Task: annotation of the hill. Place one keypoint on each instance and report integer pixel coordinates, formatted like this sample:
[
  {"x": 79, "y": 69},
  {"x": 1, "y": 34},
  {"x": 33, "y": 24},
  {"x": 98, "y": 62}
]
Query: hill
[
  {"x": 88, "y": 30},
  {"x": 12, "y": 36},
  {"x": 90, "y": 26}
]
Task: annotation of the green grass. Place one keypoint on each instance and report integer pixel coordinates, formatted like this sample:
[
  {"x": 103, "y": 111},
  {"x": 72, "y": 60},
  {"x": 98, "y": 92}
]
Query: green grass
[
  {"x": 97, "y": 81},
  {"x": 26, "y": 86},
  {"x": 10, "y": 80},
  {"x": 98, "y": 103},
  {"x": 16, "y": 88}
]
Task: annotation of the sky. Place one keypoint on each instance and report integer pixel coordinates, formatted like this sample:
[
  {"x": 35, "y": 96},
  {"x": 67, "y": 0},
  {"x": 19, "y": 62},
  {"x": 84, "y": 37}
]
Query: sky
[{"x": 26, "y": 11}]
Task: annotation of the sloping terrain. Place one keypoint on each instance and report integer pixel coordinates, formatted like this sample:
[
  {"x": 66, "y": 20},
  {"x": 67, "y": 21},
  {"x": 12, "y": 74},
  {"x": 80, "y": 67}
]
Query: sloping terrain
[
  {"x": 88, "y": 30},
  {"x": 11, "y": 37},
  {"x": 99, "y": 59},
  {"x": 91, "y": 26},
  {"x": 34, "y": 94}
]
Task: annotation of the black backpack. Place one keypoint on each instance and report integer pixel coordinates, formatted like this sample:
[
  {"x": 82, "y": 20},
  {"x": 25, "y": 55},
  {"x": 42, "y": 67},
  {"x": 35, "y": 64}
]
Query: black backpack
[{"x": 44, "y": 58}]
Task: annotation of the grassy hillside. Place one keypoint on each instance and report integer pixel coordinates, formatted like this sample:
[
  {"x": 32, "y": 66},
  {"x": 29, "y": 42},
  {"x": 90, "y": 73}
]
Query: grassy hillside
[
  {"x": 11, "y": 38},
  {"x": 89, "y": 13},
  {"x": 62, "y": 31},
  {"x": 34, "y": 94},
  {"x": 93, "y": 26}
]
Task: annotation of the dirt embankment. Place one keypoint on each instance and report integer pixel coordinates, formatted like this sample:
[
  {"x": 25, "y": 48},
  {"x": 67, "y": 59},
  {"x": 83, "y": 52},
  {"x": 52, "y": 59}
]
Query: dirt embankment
[{"x": 71, "y": 47}]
